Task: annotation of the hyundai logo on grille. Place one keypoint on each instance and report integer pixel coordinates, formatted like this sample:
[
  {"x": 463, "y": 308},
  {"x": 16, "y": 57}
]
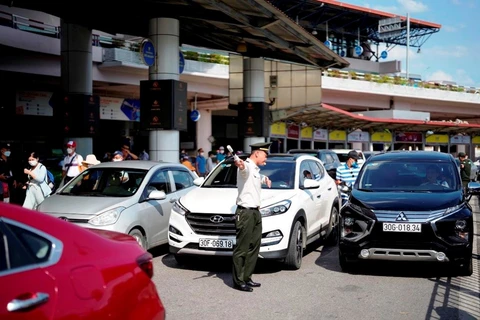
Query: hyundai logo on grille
[
  {"x": 401, "y": 217},
  {"x": 216, "y": 219}
]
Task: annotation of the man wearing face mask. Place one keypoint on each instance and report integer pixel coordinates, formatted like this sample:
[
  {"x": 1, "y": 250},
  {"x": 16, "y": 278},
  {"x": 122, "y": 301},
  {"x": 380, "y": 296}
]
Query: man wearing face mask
[
  {"x": 5, "y": 173},
  {"x": 72, "y": 163},
  {"x": 348, "y": 172},
  {"x": 221, "y": 154},
  {"x": 201, "y": 163}
]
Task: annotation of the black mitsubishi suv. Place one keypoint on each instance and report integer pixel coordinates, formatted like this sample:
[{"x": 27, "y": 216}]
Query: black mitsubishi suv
[{"x": 409, "y": 206}]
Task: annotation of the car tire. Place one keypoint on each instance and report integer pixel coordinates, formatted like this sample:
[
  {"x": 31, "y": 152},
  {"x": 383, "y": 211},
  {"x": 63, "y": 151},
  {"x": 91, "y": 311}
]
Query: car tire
[
  {"x": 138, "y": 235},
  {"x": 345, "y": 265},
  {"x": 181, "y": 259},
  {"x": 332, "y": 238},
  {"x": 295, "y": 247}
]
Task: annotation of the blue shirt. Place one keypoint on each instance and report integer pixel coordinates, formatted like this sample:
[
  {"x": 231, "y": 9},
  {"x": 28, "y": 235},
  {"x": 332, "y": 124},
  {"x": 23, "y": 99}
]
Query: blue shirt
[
  {"x": 347, "y": 175},
  {"x": 220, "y": 156},
  {"x": 202, "y": 164}
]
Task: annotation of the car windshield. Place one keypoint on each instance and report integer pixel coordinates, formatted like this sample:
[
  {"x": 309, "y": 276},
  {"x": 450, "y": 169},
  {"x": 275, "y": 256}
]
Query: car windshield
[
  {"x": 281, "y": 173},
  {"x": 409, "y": 176},
  {"x": 106, "y": 182}
]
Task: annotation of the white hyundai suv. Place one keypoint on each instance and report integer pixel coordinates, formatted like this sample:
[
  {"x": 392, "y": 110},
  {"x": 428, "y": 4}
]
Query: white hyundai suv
[{"x": 296, "y": 211}]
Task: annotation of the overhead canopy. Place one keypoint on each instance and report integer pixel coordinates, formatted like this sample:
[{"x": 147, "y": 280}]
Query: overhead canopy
[
  {"x": 353, "y": 21},
  {"x": 214, "y": 24},
  {"x": 329, "y": 117}
]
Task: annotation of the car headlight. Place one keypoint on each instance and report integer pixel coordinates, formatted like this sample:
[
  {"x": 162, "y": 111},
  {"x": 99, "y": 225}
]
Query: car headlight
[
  {"x": 106, "y": 218},
  {"x": 452, "y": 209},
  {"x": 277, "y": 208},
  {"x": 178, "y": 208}
]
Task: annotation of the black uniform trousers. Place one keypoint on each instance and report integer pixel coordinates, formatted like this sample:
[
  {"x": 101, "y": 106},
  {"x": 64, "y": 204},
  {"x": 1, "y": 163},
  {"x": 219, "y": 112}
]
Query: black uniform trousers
[{"x": 248, "y": 223}]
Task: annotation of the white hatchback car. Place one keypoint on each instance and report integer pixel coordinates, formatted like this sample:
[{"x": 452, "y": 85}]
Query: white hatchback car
[{"x": 295, "y": 211}]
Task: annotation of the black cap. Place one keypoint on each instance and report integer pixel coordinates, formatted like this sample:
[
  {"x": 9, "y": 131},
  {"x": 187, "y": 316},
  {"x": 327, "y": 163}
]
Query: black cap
[
  {"x": 262, "y": 146},
  {"x": 353, "y": 154},
  {"x": 462, "y": 155}
]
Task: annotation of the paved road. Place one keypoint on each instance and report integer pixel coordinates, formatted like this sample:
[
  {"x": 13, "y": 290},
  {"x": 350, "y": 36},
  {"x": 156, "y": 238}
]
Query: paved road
[{"x": 319, "y": 290}]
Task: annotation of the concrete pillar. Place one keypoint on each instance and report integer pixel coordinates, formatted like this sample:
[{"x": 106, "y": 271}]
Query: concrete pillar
[
  {"x": 253, "y": 90},
  {"x": 164, "y": 32},
  {"x": 76, "y": 70},
  {"x": 204, "y": 130}
]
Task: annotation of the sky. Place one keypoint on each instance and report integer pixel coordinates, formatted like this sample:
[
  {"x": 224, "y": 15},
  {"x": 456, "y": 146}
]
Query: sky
[{"x": 453, "y": 53}]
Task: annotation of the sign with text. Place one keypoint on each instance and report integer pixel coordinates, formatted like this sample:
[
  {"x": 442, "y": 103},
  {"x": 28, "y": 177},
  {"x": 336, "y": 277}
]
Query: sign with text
[
  {"x": 358, "y": 136},
  {"x": 253, "y": 119},
  {"x": 460, "y": 139},
  {"x": 337, "y": 135},
  {"x": 306, "y": 133},
  {"x": 409, "y": 137},
  {"x": 77, "y": 114},
  {"x": 119, "y": 109},
  {"x": 164, "y": 105},
  {"x": 382, "y": 137},
  {"x": 293, "y": 131},
  {"x": 278, "y": 129},
  {"x": 320, "y": 134},
  {"x": 34, "y": 103},
  {"x": 437, "y": 139}
]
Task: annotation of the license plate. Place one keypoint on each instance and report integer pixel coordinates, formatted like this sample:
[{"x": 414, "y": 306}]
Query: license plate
[
  {"x": 216, "y": 243},
  {"x": 402, "y": 227}
]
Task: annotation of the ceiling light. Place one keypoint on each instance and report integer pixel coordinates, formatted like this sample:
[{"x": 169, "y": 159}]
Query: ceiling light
[
  {"x": 314, "y": 32},
  {"x": 242, "y": 47}
]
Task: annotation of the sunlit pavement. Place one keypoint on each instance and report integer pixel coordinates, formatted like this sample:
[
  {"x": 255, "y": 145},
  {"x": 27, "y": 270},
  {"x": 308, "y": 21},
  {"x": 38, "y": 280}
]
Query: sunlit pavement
[{"x": 319, "y": 290}]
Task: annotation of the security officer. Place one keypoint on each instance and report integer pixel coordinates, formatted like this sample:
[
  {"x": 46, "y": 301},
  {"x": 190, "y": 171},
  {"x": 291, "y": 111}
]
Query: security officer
[
  {"x": 465, "y": 168},
  {"x": 248, "y": 220}
]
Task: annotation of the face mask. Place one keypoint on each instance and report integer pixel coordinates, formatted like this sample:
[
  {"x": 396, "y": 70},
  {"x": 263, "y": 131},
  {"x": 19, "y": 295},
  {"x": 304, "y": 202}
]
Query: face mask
[
  {"x": 201, "y": 153},
  {"x": 221, "y": 151},
  {"x": 33, "y": 163},
  {"x": 115, "y": 160},
  {"x": 7, "y": 153},
  {"x": 69, "y": 150}
]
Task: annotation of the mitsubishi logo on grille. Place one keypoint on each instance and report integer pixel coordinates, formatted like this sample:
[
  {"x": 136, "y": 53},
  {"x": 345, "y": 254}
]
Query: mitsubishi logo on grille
[
  {"x": 216, "y": 219},
  {"x": 401, "y": 217}
]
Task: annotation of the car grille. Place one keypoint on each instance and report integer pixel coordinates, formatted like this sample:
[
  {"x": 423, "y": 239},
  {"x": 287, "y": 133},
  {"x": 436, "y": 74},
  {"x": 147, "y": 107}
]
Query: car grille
[
  {"x": 421, "y": 240},
  {"x": 212, "y": 224}
]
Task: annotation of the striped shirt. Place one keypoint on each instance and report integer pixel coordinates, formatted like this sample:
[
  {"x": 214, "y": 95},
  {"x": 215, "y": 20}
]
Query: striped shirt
[{"x": 347, "y": 175}]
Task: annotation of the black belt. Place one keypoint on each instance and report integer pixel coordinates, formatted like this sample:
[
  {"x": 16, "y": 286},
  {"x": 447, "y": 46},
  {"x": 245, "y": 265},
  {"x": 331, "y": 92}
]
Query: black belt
[{"x": 248, "y": 208}]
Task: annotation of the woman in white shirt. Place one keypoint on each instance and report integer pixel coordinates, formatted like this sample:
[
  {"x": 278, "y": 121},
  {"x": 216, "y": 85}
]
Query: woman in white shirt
[{"x": 37, "y": 187}]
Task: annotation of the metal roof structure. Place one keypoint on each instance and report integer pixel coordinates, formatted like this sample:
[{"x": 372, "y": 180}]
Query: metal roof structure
[
  {"x": 222, "y": 25},
  {"x": 329, "y": 117},
  {"x": 345, "y": 20}
]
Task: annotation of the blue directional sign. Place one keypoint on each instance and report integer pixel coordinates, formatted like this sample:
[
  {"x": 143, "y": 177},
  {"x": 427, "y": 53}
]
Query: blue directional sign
[
  {"x": 384, "y": 54},
  {"x": 181, "y": 64},
  {"x": 195, "y": 115},
  {"x": 328, "y": 43},
  {"x": 358, "y": 50},
  {"x": 147, "y": 51}
]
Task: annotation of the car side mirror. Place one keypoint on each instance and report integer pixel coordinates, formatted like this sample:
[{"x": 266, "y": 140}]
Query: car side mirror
[
  {"x": 311, "y": 184},
  {"x": 473, "y": 188},
  {"x": 157, "y": 195},
  {"x": 198, "y": 181}
]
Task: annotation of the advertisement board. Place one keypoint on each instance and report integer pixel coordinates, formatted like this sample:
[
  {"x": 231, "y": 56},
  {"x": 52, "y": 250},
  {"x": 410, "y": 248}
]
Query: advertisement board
[
  {"x": 119, "y": 109},
  {"x": 34, "y": 103}
]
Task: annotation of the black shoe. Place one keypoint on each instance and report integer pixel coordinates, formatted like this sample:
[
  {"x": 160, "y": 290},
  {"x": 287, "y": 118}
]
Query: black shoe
[
  {"x": 253, "y": 284},
  {"x": 243, "y": 287}
]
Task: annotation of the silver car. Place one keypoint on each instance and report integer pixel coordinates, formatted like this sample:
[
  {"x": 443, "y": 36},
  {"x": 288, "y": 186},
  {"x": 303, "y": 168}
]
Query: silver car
[{"x": 133, "y": 197}]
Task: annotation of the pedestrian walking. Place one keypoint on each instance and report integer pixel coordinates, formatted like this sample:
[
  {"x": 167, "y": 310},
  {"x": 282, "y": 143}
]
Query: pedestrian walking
[
  {"x": 465, "y": 168},
  {"x": 248, "y": 221}
]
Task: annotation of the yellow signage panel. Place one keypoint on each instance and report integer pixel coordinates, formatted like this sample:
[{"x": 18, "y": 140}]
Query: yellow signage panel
[
  {"x": 382, "y": 137},
  {"x": 437, "y": 138},
  {"x": 278, "y": 128},
  {"x": 307, "y": 133},
  {"x": 476, "y": 140},
  {"x": 337, "y": 135}
]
